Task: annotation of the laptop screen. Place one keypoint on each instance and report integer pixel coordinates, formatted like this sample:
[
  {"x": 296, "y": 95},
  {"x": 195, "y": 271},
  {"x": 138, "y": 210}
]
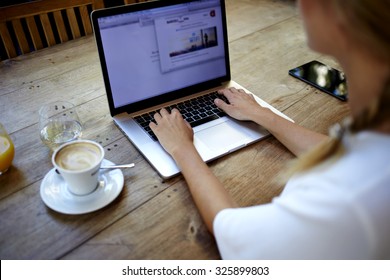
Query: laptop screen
[{"x": 149, "y": 51}]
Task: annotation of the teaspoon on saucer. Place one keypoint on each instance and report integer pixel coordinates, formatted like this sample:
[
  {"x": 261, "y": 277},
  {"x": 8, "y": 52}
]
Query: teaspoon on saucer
[{"x": 130, "y": 165}]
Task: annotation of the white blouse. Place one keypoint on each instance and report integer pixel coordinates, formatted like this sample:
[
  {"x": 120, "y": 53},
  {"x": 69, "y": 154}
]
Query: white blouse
[{"x": 338, "y": 210}]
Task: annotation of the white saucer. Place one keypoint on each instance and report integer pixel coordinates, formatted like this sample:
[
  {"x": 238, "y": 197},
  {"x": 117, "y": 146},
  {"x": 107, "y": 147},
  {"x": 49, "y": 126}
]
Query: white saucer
[{"x": 55, "y": 194}]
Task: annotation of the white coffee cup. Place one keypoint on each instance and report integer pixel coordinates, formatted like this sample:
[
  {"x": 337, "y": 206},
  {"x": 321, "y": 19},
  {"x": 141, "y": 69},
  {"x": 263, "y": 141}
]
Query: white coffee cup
[{"x": 79, "y": 162}]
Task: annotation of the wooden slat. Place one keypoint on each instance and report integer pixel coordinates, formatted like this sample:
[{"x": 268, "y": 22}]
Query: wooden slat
[
  {"x": 20, "y": 36},
  {"x": 42, "y": 8},
  {"x": 34, "y": 33},
  {"x": 7, "y": 41},
  {"x": 130, "y": 1},
  {"x": 85, "y": 19},
  {"x": 47, "y": 29},
  {"x": 98, "y": 4},
  {"x": 35, "y": 8},
  {"x": 60, "y": 26},
  {"x": 74, "y": 27}
]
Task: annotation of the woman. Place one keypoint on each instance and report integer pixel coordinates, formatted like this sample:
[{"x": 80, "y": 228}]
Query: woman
[{"x": 337, "y": 205}]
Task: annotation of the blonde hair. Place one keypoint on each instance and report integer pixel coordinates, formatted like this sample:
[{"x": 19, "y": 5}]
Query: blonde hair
[{"x": 366, "y": 22}]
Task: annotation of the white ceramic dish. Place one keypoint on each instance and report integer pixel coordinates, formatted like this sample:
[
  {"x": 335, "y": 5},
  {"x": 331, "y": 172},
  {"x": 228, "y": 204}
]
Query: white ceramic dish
[{"x": 56, "y": 195}]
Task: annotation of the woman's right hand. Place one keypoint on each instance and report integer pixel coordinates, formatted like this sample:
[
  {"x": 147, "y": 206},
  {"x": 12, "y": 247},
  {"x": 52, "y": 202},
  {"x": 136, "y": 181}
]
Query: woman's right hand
[{"x": 241, "y": 105}]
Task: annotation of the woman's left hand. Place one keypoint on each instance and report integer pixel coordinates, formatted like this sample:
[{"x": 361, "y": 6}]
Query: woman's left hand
[{"x": 173, "y": 132}]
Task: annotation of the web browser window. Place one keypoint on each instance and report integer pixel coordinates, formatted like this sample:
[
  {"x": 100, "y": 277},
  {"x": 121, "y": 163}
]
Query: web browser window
[{"x": 153, "y": 52}]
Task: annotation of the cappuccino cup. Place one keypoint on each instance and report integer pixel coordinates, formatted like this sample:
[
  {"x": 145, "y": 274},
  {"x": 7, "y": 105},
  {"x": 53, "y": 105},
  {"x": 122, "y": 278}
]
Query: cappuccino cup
[{"x": 79, "y": 162}]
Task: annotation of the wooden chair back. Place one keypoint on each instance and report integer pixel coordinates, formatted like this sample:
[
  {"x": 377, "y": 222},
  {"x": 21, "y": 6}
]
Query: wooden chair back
[
  {"x": 134, "y": 1},
  {"x": 34, "y": 25}
]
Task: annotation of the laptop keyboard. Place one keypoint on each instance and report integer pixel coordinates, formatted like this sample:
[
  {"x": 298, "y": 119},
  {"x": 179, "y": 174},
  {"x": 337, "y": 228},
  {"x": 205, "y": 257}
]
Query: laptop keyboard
[{"x": 196, "y": 111}]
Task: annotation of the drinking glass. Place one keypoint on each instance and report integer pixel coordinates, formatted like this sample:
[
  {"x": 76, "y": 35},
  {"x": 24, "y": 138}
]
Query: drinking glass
[
  {"x": 7, "y": 150},
  {"x": 59, "y": 124}
]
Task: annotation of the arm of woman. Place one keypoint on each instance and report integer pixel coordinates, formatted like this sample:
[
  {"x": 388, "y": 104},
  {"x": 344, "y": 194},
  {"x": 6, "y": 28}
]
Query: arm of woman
[
  {"x": 176, "y": 136},
  {"x": 243, "y": 106}
]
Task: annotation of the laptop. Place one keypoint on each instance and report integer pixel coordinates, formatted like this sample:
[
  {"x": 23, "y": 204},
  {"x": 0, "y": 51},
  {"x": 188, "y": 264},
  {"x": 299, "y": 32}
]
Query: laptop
[{"x": 170, "y": 54}]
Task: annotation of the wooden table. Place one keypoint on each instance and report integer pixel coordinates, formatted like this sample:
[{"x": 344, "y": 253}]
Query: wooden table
[{"x": 151, "y": 218}]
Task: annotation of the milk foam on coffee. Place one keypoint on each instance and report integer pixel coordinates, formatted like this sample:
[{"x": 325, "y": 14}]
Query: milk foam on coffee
[{"x": 78, "y": 156}]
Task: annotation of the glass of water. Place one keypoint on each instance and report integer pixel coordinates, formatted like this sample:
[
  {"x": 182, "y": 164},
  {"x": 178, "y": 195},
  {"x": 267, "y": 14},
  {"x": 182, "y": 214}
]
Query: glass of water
[{"x": 59, "y": 123}]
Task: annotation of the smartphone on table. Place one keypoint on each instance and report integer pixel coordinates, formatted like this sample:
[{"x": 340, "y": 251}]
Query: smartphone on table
[{"x": 323, "y": 77}]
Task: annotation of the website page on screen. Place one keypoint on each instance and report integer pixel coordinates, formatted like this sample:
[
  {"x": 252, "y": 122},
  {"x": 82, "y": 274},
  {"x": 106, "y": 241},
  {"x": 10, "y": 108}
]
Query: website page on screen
[{"x": 153, "y": 52}]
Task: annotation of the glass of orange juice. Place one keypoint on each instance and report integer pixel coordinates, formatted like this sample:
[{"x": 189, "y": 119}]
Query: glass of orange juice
[{"x": 7, "y": 150}]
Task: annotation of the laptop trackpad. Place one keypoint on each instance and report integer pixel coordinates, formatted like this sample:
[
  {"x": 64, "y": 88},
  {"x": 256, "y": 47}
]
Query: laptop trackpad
[{"x": 224, "y": 136}]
